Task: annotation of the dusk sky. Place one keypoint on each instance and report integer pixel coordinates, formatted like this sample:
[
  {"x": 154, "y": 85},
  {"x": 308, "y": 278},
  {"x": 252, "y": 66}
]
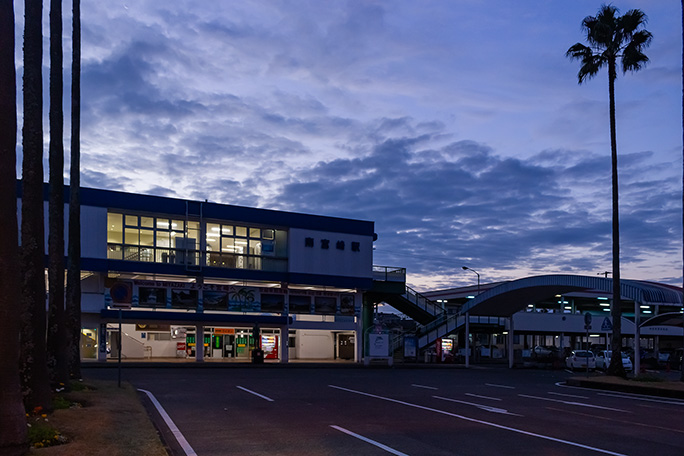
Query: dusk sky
[{"x": 458, "y": 127}]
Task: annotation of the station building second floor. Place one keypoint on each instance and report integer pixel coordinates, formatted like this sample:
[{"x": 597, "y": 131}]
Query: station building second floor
[{"x": 132, "y": 233}]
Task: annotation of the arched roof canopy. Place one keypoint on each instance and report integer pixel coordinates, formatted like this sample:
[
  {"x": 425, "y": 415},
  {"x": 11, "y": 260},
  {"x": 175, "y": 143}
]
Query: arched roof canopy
[{"x": 511, "y": 297}]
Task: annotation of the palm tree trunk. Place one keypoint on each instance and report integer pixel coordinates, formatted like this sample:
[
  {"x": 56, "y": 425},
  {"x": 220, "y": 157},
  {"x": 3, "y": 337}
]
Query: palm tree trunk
[
  {"x": 616, "y": 367},
  {"x": 12, "y": 416},
  {"x": 73, "y": 292},
  {"x": 56, "y": 342},
  {"x": 34, "y": 369},
  {"x": 682, "y": 366}
]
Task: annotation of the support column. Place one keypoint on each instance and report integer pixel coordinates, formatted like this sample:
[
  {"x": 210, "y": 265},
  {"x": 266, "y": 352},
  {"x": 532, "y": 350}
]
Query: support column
[
  {"x": 199, "y": 343},
  {"x": 467, "y": 339},
  {"x": 511, "y": 338},
  {"x": 285, "y": 344},
  {"x": 637, "y": 341}
]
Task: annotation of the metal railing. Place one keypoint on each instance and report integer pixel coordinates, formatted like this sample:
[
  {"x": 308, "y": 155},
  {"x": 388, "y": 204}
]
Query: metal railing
[
  {"x": 423, "y": 302},
  {"x": 389, "y": 274}
]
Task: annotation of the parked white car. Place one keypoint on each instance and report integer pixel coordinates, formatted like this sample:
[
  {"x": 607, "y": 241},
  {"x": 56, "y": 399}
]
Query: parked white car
[
  {"x": 603, "y": 360},
  {"x": 581, "y": 359}
]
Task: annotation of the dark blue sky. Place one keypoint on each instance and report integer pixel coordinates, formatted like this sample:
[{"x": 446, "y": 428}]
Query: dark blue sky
[{"x": 458, "y": 127}]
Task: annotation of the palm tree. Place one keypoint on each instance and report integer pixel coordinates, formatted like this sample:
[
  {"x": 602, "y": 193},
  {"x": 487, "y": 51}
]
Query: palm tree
[
  {"x": 73, "y": 291},
  {"x": 612, "y": 37},
  {"x": 56, "y": 338},
  {"x": 12, "y": 417},
  {"x": 34, "y": 373}
]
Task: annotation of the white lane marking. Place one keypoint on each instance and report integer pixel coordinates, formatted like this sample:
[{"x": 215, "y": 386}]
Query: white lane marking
[
  {"x": 635, "y": 396},
  {"x": 172, "y": 426},
  {"x": 473, "y": 420},
  {"x": 423, "y": 386},
  {"x": 580, "y": 404},
  {"x": 256, "y": 394},
  {"x": 367, "y": 440},
  {"x": 568, "y": 395},
  {"x": 486, "y": 408},
  {"x": 499, "y": 386},
  {"x": 629, "y": 423},
  {"x": 483, "y": 397},
  {"x": 640, "y": 398}
]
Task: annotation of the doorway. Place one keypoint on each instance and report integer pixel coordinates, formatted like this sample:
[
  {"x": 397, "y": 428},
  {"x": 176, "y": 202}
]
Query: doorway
[{"x": 345, "y": 346}]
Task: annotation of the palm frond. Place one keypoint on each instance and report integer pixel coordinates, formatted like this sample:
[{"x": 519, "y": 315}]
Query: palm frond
[{"x": 632, "y": 20}]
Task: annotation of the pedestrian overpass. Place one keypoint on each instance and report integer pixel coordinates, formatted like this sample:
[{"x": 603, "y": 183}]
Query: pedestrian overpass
[{"x": 497, "y": 305}]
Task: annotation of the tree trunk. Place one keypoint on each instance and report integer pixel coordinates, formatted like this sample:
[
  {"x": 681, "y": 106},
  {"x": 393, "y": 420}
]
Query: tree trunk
[
  {"x": 56, "y": 338},
  {"x": 616, "y": 367},
  {"x": 34, "y": 369},
  {"x": 12, "y": 416},
  {"x": 73, "y": 292},
  {"x": 682, "y": 366}
]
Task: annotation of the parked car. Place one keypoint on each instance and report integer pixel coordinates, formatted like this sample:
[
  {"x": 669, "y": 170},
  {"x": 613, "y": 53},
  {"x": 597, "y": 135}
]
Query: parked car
[
  {"x": 581, "y": 359},
  {"x": 542, "y": 351},
  {"x": 675, "y": 359},
  {"x": 603, "y": 360}
]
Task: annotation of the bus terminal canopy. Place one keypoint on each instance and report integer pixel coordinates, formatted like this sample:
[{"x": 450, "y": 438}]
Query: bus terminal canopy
[{"x": 510, "y": 297}]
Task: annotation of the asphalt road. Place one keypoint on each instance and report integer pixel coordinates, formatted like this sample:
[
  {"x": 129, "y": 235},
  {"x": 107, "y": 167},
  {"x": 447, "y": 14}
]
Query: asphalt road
[{"x": 358, "y": 411}]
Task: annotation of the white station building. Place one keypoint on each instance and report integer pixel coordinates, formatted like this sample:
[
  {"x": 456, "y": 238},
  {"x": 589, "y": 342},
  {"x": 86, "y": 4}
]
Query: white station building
[{"x": 200, "y": 280}]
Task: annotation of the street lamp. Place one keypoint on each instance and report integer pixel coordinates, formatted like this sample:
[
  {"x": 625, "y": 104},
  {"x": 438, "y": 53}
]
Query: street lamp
[
  {"x": 467, "y": 319},
  {"x": 466, "y": 268}
]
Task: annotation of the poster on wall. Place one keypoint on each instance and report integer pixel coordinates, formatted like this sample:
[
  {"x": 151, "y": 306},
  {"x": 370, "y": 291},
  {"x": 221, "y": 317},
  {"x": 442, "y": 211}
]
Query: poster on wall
[
  {"x": 184, "y": 299},
  {"x": 300, "y": 304},
  {"x": 118, "y": 294},
  {"x": 274, "y": 303},
  {"x": 347, "y": 305},
  {"x": 326, "y": 305},
  {"x": 215, "y": 300},
  {"x": 152, "y": 297},
  {"x": 244, "y": 299}
]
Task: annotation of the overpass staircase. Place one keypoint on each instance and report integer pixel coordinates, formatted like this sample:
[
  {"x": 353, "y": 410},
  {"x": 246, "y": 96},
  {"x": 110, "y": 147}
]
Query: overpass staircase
[{"x": 389, "y": 286}]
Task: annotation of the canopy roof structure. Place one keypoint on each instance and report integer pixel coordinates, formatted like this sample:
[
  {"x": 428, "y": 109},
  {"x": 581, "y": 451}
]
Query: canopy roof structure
[{"x": 510, "y": 297}]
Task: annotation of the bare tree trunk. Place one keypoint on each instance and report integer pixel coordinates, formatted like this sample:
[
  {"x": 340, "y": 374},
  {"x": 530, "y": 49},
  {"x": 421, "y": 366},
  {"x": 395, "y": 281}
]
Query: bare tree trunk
[
  {"x": 12, "y": 416},
  {"x": 73, "y": 293},
  {"x": 616, "y": 367},
  {"x": 56, "y": 338},
  {"x": 35, "y": 377}
]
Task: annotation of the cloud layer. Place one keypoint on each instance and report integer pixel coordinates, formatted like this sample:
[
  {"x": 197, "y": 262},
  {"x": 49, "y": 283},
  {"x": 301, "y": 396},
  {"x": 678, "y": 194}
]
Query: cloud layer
[{"x": 458, "y": 127}]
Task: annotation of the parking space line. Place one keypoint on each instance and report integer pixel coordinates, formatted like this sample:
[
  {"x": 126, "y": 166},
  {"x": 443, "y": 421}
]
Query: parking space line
[
  {"x": 256, "y": 394},
  {"x": 423, "y": 386},
  {"x": 630, "y": 423},
  {"x": 499, "y": 386},
  {"x": 473, "y": 420},
  {"x": 172, "y": 426},
  {"x": 568, "y": 395},
  {"x": 579, "y": 404},
  {"x": 642, "y": 398},
  {"x": 367, "y": 440},
  {"x": 483, "y": 397},
  {"x": 486, "y": 408}
]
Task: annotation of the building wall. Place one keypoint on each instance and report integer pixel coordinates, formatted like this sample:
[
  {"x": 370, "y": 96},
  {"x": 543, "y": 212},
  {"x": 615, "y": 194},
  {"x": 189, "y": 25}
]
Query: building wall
[
  {"x": 314, "y": 344},
  {"x": 307, "y": 256}
]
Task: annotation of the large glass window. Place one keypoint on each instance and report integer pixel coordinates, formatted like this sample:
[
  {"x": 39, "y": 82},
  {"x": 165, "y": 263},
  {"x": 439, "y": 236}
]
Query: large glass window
[
  {"x": 243, "y": 247},
  {"x": 154, "y": 239},
  {"x": 165, "y": 240}
]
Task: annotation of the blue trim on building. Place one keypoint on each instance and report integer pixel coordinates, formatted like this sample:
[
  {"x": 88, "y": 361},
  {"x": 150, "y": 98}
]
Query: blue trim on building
[
  {"x": 192, "y": 318},
  {"x": 141, "y": 267},
  {"x": 177, "y": 207}
]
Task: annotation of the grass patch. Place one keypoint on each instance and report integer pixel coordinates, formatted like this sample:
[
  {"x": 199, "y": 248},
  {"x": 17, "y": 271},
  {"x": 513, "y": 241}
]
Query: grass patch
[
  {"x": 114, "y": 422},
  {"x": 648, "y": 378}
]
